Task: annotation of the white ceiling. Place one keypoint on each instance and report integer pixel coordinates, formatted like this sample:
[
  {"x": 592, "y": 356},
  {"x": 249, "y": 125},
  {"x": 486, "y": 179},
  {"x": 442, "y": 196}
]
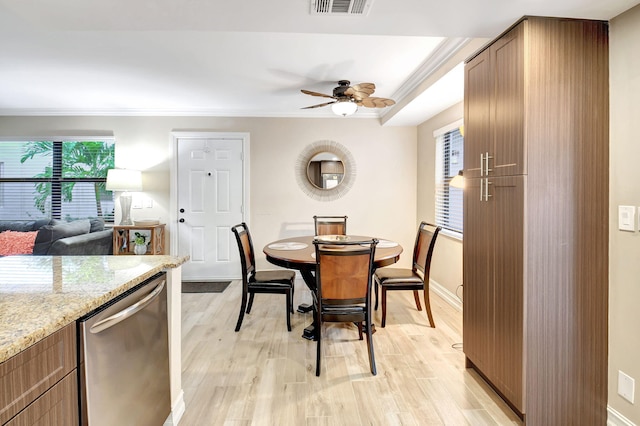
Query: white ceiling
[{"x": 245, "y": 58}]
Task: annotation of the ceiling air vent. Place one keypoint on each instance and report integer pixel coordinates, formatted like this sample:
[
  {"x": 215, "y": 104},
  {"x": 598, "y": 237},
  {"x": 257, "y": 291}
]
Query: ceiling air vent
[{"x": 341, "y": 7}]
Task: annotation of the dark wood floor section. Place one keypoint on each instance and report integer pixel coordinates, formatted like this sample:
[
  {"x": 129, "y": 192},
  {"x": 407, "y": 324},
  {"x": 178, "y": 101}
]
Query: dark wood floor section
[{"x": 264, "y": 375}]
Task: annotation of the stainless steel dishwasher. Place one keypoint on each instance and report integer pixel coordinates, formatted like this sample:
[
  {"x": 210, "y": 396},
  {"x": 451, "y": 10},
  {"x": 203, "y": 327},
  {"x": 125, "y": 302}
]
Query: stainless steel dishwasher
[{"x": 124, "y": 359}]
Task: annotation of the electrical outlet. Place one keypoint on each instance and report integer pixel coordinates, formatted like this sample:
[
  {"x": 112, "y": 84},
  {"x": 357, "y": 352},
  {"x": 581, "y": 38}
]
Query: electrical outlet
[{"x": 626, "y": 386}]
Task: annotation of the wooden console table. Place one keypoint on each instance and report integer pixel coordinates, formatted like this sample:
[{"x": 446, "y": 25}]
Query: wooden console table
[{"x": 123, "y": 236}]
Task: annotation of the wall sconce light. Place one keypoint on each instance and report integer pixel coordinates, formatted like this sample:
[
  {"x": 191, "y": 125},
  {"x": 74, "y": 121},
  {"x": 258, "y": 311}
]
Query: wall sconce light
[
  {"x": 124, "y": 180},
  {"x": 457, "y": 181},
  {"x": 344, "y": 107}
]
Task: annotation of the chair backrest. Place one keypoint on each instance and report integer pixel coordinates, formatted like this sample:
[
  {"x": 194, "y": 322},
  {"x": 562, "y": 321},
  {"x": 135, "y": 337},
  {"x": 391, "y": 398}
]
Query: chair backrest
[
  {"x": 423, "y": 249},
  {"x": 330, "y": 225},
  {"x": 344, "y": 271},
  {"x": 245, "y": 245}
]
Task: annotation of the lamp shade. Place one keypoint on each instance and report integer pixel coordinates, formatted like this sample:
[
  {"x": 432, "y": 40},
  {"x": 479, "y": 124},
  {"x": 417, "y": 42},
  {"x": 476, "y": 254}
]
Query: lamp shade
[
  {"x": 124, "y": 180},
  {"x": 344, "y": 107},
  {"x": 457, "y": 181}
]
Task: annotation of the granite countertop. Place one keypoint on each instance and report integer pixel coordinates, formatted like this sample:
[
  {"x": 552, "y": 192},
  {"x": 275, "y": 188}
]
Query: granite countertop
[{"x": 41, "y": 294}]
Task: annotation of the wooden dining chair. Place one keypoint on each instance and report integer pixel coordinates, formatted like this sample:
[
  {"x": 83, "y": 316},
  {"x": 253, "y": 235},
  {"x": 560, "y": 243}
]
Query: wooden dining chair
[
  {"x": 279, "y": 281},
  {"x": 343, "y": 289},
  {"x": 416, "y": 278},
  {"x": 330, "y": 225}
]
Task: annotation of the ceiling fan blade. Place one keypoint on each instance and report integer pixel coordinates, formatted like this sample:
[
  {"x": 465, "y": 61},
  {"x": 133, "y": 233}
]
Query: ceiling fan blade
[
  {"x": 319, "y": 105},
  {"x": 361, "y": 91},
  {"x": 374, "y": 102},
  {"x": 309, "y": 92}
]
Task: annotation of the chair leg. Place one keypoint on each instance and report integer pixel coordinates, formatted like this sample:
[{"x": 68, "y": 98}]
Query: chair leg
[
  {"x": 243, "y": 305},
  {"x": 375, "y": 288},
  {"x": 318, "y": 332},
  {"x": 384, "y": 306},
  {"x": 427, "y": 304},
  {"x": 359, "y": 325},
  {"x": 250, "y": 302},
  {"x": 416, "y": 296},
  {"x": 372, "y": 359},
  {"x": 288, "y": 309},
  {"x": 293, "y": 288}
]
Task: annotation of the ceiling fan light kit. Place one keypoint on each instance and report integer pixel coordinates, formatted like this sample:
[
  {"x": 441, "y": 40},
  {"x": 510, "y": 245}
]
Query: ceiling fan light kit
[
  {"x": 347, "y": 99},
  {"x": 344, "y": 107}
]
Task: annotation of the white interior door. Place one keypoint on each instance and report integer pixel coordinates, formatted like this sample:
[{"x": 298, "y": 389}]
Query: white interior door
[{"x": 209, "y": 201}]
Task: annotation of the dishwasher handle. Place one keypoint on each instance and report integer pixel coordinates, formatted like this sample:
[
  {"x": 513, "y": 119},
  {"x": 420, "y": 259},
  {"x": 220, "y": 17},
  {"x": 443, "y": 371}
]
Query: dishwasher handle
[{"x": 127, "y": 312}]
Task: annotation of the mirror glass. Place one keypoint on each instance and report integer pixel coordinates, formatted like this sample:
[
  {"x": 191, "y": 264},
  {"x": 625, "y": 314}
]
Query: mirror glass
[{"x": 325, "y": 170}]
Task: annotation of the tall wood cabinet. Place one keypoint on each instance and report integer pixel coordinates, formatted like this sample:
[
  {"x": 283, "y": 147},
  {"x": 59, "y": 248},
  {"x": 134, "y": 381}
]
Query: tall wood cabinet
[{"x": 536, "y": 219}]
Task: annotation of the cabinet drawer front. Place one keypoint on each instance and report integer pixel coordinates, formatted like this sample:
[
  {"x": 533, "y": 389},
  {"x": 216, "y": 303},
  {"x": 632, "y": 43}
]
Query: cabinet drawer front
[
  {"x": 58, "y": 406},
  {"x": 27, "y": 375}
]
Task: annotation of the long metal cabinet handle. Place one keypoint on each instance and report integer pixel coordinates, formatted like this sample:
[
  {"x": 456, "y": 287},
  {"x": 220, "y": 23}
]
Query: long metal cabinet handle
[
  {"x": 486, "y": 163},
  {"x": 127, "y": 312},
  {"x": 486, "y": 189},
  {"x": 481, "y": 184},
  {"x": 481, "y": 169}
]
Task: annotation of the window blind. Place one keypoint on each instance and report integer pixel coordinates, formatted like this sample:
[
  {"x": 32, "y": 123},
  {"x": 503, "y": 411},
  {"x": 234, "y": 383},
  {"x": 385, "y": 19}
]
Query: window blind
[
  {"x": 62, "y": 179},
  {"x": 449, "y": 161}
]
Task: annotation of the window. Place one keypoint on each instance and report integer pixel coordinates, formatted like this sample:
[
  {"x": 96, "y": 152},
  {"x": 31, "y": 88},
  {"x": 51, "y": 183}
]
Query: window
[
  {"x": 449, "y": 160},
  {"x": 1, "y": 186},
  {"x": 56, "y": 179}
]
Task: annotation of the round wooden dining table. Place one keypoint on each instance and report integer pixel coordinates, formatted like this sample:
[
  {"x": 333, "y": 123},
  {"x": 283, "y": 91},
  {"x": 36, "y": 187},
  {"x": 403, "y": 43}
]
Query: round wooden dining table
[{"x": 299, "y": 253}]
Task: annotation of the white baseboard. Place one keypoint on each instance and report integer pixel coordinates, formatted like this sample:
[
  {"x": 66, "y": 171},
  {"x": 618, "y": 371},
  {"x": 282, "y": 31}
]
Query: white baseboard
[
  {"x": 445, "y": 294},
  {"x": 614, "y": 418},
  {"x": 177, "y": 411}
]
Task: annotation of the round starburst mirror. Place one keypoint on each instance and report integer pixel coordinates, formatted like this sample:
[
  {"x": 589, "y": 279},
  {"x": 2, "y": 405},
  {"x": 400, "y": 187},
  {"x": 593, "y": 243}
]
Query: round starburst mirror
[{"x": 325, "y": 170}]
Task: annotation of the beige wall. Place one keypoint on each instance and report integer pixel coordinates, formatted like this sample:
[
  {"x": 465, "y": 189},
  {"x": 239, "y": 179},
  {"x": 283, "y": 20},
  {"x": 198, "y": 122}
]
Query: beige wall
[
  {"x": 624, "y": 247},
  {"x": 382, "y": 201},
  {"x": 446, "y": 267}
]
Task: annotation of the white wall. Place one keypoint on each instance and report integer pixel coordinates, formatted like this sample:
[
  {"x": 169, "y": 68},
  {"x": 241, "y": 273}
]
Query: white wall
[
  {"x": 446, "y": 266},
  {"x": 624, "y": 181},
  {"x": 382, "y": 201}
]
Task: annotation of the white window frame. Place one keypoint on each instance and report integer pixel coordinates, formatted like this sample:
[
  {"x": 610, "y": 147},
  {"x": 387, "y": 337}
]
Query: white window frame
[{"x": 450, "y": 226}]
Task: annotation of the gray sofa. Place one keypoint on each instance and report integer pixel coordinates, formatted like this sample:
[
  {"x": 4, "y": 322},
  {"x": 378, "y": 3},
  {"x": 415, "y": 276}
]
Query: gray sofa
[{"x": 56, "y": 237}]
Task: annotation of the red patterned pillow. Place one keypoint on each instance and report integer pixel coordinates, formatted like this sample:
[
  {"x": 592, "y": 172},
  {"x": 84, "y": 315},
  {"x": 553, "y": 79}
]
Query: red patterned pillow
[{"x": 14, "y": 242}]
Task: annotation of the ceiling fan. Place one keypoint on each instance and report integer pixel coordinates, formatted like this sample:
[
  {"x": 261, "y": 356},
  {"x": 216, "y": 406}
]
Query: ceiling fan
[{"x": 346, "y": 98}]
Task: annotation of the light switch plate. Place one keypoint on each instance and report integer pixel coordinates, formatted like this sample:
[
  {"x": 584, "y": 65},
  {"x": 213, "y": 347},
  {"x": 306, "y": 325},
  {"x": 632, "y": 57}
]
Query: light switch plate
[
  {"x": 627, "y": 218},
  {"x": 626, "y": 386}
]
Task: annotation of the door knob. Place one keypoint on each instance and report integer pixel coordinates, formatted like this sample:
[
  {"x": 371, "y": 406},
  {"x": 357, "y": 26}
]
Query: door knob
[
  {"x": 181, "y": 210},
  {"x": 181, "y": 220}
]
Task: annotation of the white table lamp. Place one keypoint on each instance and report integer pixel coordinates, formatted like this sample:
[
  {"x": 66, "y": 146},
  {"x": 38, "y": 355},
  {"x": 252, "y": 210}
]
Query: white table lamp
[
  {"x": 124, "y": 180},
  {"x": 457, "y": 181}
]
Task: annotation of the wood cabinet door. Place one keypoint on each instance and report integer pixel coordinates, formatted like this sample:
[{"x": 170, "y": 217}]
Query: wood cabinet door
[
  {"x": 478, "y": 322},
  {"x": 477, "y": 91},
  {"x": 507, "y": 151},
  {"x": 507, "y": 195}
]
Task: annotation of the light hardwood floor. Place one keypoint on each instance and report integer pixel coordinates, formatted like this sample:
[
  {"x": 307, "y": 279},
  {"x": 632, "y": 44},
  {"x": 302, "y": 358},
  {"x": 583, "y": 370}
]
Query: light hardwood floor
[{"x": 264, "y": 375}]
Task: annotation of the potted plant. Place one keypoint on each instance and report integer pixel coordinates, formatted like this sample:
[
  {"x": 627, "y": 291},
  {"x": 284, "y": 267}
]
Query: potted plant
[{"x": 140, "y": 243}]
